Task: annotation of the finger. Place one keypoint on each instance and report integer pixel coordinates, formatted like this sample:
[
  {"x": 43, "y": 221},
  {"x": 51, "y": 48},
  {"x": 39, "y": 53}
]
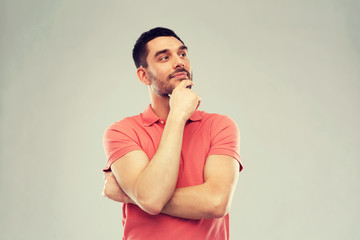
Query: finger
[
  {"x": 106, "y": 174},
  {"x": 186, "y": 83},
  {"x": 103, "y": 192}
]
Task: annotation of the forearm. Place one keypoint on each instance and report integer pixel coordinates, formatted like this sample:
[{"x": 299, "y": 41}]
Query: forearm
[
  {"x": 212, "y": 199},
  {"x": 197, "y": 202},
  {"x": 156, "y": 183}
]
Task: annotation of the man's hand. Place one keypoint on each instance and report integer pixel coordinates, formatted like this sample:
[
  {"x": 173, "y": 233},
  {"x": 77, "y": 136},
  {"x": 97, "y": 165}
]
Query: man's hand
[
  {"x": 183, "y": 100},
  {"x": 113, "y": 191}
]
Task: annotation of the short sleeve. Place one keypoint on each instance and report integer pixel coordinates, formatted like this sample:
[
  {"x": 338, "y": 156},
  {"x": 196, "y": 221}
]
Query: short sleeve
[
  {"x": 119, "y": 139},
  {"x": 225, "y": 138}
]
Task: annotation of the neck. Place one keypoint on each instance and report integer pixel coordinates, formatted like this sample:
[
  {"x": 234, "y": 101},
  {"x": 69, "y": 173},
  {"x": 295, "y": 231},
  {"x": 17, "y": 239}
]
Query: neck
[{"x": 160, "y": 105}]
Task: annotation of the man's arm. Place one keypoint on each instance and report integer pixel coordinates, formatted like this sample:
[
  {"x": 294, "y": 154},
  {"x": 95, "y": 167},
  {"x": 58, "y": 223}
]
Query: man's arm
[
  {"x": 212, "y": 199},
  {"x": 150, "y": 184},
  {"x": 113, "y": 191}
]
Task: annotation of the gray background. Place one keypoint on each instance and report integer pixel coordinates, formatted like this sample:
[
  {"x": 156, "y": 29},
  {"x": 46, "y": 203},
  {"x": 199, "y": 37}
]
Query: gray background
[{"x": 286, "y": 71}]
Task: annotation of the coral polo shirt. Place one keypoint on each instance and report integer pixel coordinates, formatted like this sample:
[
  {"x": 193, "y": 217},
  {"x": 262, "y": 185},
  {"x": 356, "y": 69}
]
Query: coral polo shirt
[{"x": 204, "y": 135}]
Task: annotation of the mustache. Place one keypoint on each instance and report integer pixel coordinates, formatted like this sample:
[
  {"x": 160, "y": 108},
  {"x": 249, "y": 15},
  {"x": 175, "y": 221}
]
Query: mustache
[{"x": 179, "y": 70}]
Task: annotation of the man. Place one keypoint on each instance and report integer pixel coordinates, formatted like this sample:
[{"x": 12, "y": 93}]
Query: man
[{"x": 175, "y": 168}]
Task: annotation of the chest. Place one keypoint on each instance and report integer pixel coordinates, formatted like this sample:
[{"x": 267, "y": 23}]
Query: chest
[{"x": 194, "y": 151}]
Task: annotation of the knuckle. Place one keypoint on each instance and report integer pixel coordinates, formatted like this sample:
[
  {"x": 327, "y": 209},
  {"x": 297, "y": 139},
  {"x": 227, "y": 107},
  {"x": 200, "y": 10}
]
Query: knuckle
[{"x": 106, "y": 193}]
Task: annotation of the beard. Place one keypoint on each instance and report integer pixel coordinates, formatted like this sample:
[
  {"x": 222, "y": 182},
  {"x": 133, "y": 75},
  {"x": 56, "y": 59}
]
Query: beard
[{"x": 164, "y": 88}]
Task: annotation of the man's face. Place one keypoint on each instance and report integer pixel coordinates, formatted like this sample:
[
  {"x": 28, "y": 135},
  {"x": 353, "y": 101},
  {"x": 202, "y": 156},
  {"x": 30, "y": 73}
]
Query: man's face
[{"x": 168, "y": 64}]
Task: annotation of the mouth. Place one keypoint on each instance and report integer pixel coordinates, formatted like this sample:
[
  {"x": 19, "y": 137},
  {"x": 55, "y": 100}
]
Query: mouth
[{"x": 180, "y": 75}]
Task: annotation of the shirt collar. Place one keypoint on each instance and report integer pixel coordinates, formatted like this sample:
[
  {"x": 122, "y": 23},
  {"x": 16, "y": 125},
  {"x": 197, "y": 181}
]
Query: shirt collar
[
  {"x": 149, "y": 117},
  {"x": 196, "y": 116}
]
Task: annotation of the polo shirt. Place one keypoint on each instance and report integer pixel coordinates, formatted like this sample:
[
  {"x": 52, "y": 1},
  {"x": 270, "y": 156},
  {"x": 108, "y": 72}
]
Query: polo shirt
[{"x": 204, "y": 134}]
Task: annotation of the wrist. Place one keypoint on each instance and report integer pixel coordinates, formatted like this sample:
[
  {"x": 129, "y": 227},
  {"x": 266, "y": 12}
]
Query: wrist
[{"x": 176, "y": 118}]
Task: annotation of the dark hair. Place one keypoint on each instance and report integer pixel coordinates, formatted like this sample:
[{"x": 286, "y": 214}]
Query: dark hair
[{"x": 140, "y": 50}]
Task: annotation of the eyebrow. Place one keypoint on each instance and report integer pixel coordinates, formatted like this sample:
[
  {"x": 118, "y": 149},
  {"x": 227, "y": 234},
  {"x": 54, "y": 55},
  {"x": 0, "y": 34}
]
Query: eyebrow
[{"x": 183, "y": 47}]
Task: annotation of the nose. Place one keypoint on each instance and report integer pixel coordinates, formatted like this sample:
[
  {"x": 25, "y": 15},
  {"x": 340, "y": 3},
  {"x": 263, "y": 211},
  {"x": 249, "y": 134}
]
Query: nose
[{"x": 179, "y": 62}]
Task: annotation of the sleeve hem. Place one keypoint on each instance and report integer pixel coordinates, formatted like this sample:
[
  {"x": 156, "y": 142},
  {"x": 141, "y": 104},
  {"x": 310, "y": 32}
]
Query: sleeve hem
[
  {"x": 229, "y": 153},
  {"x": 118, "y": 155}
]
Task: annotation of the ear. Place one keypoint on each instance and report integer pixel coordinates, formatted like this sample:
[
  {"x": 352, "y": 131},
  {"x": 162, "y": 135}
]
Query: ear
[{"x": 143, "y": 76}]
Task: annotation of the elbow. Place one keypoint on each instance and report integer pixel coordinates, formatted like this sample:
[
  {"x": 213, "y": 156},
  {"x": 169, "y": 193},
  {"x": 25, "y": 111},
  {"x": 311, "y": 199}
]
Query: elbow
[
  {"x": 150, "y": 206},
  {"x": 219, "y": 212},
  {"x": 220, "y": 207},
  {"x": 149, "y": 201},
  {"x": 151, "y": 209}
]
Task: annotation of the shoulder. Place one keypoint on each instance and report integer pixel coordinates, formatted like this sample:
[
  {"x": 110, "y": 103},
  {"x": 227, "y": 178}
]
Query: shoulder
[
  {"x": 220, "y": 126},
  {"x": 127, "y": 124},
  {"x": 218, "y": 120}
]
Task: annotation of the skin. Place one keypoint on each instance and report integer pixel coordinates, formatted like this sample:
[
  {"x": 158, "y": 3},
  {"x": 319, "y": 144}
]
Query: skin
[{"x": 151, "y": 184}]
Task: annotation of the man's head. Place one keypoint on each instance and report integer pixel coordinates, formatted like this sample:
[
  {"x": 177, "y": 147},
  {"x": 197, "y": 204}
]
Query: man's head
[
  {"x": 140, "y": 50},
  {"x": 161, "y": 58}
]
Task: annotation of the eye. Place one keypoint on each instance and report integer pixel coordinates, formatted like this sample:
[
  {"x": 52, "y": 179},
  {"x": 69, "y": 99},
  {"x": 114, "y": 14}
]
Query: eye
[
  {"x": 164, "y": 58},
  {"x": 183, "y": 54}
]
